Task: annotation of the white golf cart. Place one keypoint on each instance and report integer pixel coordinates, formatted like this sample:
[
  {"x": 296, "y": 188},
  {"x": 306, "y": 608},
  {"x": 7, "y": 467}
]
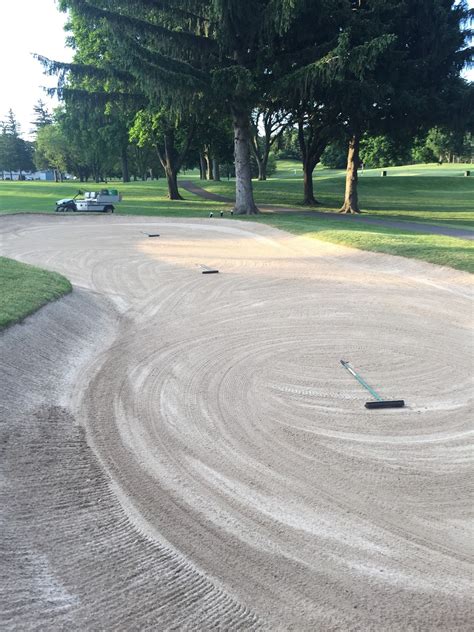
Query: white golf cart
[{"x": 100, "y": 201}]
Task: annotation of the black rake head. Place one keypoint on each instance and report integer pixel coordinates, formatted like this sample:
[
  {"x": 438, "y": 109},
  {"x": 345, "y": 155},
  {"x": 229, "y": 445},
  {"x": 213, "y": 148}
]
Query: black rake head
[{"x": 395, "y": 403}]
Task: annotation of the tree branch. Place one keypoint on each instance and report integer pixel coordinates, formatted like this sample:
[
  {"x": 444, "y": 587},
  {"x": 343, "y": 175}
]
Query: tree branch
[{"x": 141, "y": 27}]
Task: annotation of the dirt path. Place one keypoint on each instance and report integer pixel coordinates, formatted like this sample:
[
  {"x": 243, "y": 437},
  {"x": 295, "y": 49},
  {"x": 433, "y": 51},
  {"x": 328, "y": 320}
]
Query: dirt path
[
  {"x": 184, "y": 451},
  {"x": 416, "y": 227}
]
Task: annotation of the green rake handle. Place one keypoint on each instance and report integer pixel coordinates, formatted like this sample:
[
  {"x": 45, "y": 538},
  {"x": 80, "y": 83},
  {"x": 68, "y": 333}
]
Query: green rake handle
[{"x": 347, "y": 366}]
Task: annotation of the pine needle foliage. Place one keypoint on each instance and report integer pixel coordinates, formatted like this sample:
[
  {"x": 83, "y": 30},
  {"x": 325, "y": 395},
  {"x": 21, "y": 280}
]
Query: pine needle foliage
[
  {"x": 189, "y": 55},
  {"x": 382, "y": 61}
]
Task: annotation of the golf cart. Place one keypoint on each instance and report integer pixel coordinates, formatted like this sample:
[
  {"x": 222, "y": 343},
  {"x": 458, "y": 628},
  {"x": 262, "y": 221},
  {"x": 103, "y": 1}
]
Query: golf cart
[{"x": 102, "y": 201}]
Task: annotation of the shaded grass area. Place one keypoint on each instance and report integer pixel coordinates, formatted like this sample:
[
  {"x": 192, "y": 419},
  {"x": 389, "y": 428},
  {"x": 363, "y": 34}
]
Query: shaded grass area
[
  {"x": 437, "y": 197},
  {"x": 24, "y": 289}
]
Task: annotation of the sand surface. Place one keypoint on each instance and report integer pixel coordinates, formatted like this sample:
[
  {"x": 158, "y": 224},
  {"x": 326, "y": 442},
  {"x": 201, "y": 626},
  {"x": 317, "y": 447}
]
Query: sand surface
[{"x": 184, "y": 451}]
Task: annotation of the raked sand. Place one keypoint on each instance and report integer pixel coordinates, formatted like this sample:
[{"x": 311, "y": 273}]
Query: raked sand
[{"x": 184, "y": 451}]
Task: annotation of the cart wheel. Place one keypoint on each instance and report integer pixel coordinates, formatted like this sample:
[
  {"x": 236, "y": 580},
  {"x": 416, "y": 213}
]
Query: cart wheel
[{"x": 109, "y": 209}]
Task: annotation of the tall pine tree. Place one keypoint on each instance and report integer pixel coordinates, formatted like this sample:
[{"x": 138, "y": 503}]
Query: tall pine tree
[
  {"x": 182, "y": 52},
  {"x": 15, "y": 153},
  {"x": 42, "y": 116}
]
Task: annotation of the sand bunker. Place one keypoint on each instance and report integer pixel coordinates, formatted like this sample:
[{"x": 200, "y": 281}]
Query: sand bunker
[{"x": 184, "y": 451}]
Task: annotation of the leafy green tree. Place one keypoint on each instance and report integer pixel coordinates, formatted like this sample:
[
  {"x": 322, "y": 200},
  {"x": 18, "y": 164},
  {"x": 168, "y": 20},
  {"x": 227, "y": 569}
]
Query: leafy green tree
[
  {"x": 77, "y": 141},
  {"x": 144, "y": 162},
  {"x": 335, "y": 154},
  {"x": 267, "y": 127},
  {"x": 118, "y": 119},
  {"x": 170, "y": 141},
  {"x": 420, "y": 152},
  {"x": 52, "y": 149},
  {"x": 270, "y": 169},
  {"x": 392, "y": 71},
  {"x": 443, "y": 144},
  {"x": 316, "y": 127},
  {"x": 93, "y": 150},
  {"x": 288, "y": 146},
  {"x": 383, "y": 151},
  {"x": 212, "y": 144},
  {"x": 452, "y": 137},
  {"x": 230, "y": 52},
  {"x": 305, "y": 91}
]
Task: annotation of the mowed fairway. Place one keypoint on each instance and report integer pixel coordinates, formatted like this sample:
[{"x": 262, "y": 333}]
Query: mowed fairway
[
  {"x": 414, "y": 196},
  {"x": 186, "y": 452}
]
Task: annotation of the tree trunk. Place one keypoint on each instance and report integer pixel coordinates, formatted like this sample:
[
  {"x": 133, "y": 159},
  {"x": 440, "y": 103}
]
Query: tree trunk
[
  {"x": 216, "y": 169},
  {"x": 172, "y": 182},
  {"x": 170, "y": 163},
  {"x": 209, "y": 169},
  {"x": 202, "y": 167},
  {"x": 125, "y": 171},
  {"x": 351, "y": 199},
  {"x": 261, "y": 160},
  {"x": 311, "y": 148},
  {"x": 309, "y": 199},
  {"x": 244, "y": 202}
]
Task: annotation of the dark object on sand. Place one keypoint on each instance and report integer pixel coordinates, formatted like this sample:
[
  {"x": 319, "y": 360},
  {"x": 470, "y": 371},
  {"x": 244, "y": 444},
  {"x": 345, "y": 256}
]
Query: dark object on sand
[{"x": 379, "y": 402}]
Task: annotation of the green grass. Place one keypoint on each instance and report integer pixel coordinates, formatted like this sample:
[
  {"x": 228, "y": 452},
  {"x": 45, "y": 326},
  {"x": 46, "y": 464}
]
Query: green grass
[
  {"x": 25, "y": 288},
  {"x": 421, "y": 193},
  {"x": 445, "y": 251},
  {"x": 140, "y": 198}
]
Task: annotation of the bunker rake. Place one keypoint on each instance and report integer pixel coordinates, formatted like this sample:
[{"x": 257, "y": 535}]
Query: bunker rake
[
  {"x": 207, "y": 269},
  {"x": 379, "y": 402}
]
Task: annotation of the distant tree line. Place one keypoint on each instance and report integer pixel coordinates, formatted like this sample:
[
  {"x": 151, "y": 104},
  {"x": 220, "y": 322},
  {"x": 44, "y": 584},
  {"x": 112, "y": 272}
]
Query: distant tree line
[
  {"x": 87, "y": 147},
  {"x": 158, "y": 87},
  {"x": 16, "y": 154},
  {"x": 438, "y": 145}
]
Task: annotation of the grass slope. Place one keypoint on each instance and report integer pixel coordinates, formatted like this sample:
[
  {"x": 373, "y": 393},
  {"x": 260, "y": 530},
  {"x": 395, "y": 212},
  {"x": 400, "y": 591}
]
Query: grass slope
[
  {"x": 445, "y": 251},
  {"x": 25, "y": 288},
  {"x": 422, "y": 193}
]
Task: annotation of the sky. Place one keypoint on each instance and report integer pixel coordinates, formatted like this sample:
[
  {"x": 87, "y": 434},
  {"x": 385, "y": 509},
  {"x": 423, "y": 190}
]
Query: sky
[
  {"x": 35, "y": 26},
  {"x": 26, "y": 27}
]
